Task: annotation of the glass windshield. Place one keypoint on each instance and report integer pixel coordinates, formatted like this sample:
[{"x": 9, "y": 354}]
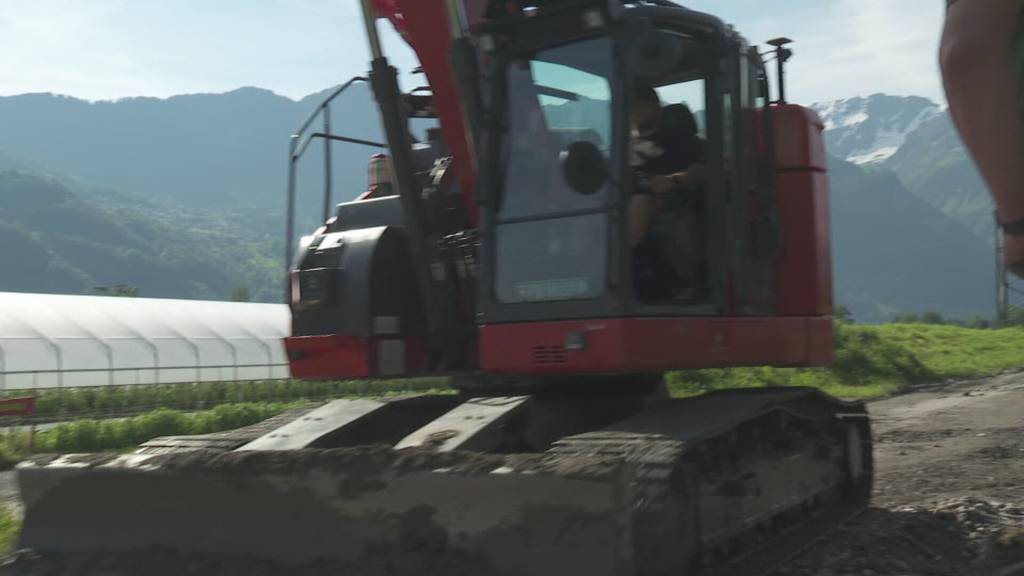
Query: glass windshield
[
  {"x": 559, "y": 96},
  {"x": 551, "y": 259},
  {"x": 552, "y": 241}
]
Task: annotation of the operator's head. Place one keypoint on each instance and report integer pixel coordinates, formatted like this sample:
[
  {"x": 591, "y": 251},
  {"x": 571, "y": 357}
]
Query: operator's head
[{"x": 646, "y": 110}]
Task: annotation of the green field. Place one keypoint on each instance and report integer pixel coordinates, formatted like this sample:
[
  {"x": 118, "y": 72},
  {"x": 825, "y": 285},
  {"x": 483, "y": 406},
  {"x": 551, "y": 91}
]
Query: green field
[{"x": 873, "y": 361}]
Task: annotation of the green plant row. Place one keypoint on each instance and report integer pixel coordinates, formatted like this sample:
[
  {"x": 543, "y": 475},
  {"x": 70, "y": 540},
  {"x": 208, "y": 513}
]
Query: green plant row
[
  {"x": 200, "y": 396},
  {"x": 9, "y": 527},
  {"x": 121, "y": 434}
]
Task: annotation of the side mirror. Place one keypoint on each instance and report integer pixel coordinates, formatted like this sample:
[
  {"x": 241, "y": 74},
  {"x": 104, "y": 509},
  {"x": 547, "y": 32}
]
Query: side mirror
[{"x": 584, "y": 167}]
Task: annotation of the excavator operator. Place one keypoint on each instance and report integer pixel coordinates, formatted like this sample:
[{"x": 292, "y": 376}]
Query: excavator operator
[{"x": 667, "y": 157}]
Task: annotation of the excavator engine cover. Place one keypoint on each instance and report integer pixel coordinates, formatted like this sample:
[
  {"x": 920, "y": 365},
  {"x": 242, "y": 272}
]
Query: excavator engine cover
[{"x": 355, "y": 306}]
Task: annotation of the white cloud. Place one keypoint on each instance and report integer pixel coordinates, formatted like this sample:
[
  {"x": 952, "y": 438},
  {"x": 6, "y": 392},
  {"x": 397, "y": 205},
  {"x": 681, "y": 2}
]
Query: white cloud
[
  {"x": 58, "y": 45},
  {"x": 107, "y": 49},
  {"x": 102, "y": 49},
  {"x": 846, "y": 48},
  {"x": 869, "y": 46}
]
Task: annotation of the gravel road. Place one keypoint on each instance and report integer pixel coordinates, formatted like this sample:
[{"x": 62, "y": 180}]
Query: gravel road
[{"x": 949, "y": 490}]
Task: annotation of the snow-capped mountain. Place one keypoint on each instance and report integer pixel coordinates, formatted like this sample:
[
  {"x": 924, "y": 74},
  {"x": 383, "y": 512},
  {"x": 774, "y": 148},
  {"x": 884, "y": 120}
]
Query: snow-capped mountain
[
  {"x": 915, "y": 138},
  {"x": 871, "y": 129}
]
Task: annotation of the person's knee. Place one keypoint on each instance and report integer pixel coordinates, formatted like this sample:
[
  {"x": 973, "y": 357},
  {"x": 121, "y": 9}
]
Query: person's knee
[{"x": 641, "y": 212}]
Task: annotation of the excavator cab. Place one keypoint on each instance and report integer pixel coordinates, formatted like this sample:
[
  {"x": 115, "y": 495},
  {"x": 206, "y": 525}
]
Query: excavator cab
[
  {"x": 562, "y": 182},
  {"x": 546, "y": 276}
]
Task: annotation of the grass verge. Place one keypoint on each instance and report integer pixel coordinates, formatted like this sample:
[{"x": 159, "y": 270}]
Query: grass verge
[
  {"x": 873, "y": 361},
  {"x": 9, "y": 527},
  {"x": 115, "y": 400}
]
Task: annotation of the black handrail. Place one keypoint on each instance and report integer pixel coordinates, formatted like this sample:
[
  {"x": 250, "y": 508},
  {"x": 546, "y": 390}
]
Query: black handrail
[{"x": 297, "y": 147}]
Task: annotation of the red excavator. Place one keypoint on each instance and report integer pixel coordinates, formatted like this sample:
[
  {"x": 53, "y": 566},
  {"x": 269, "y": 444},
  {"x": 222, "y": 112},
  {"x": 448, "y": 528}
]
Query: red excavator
[{"x": 498, "y": 253}]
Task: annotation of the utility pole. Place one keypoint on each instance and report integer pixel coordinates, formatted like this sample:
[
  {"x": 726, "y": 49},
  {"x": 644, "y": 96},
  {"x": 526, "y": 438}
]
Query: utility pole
[{"x": 1002, "y": 280}]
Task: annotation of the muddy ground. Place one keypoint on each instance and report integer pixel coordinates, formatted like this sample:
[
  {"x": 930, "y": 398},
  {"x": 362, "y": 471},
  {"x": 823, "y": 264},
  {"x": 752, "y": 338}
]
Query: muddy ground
[{"x": 949, "y": 490}]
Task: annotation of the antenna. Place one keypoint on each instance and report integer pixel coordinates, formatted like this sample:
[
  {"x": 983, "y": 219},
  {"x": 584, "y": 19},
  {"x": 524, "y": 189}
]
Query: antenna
[{"x": 782, "y": 54}]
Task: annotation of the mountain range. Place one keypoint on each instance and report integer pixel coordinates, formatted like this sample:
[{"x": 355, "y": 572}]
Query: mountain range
[
  {"x": 184, "y": 196},
  {"x": 199, "y": 151},
  {"x": 914, "y": 138}
]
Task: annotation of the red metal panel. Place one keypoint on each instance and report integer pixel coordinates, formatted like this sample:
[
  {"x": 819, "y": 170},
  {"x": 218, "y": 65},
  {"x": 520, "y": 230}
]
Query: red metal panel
[
  {"x": 331, "y": 356},
  {"x": 430, "y": 38},
  {"x": 539, "y": 347},
  {"x": 798, "y": 141},
  {"x": 653, "y": 344},
  {"x": 804, "y": 265},
  {"x": 820, "y": 342},
  {"x": 23, "y": 406},
  {"x": 693, "y": 343}
]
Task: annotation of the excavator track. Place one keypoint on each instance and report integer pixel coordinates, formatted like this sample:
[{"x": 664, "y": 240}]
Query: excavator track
[
  {"x": 227, "y": 440},
  {"x": 800, "y": 530},
  {"x": 698, "y": 446},
  {"x": 727, "y": 484}
]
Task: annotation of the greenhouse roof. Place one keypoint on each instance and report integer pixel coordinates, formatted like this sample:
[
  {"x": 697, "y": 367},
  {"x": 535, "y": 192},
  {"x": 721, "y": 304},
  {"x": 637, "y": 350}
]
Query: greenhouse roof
[{"x": 49, "y": 340}]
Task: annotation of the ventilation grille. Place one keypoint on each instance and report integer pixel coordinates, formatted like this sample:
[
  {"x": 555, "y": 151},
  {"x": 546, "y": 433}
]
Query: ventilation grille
[
  {"x": 549, "y": 355},
  {"x": 314, "y": 285}
]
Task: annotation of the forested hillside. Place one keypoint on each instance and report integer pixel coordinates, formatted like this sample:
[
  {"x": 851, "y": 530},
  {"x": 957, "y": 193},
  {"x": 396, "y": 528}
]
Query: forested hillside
[{"x": 56, "y": 240}]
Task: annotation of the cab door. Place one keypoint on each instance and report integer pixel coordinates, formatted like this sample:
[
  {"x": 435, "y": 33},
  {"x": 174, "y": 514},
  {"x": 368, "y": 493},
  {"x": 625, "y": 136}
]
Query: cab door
[{"x": 756, "y": 224}]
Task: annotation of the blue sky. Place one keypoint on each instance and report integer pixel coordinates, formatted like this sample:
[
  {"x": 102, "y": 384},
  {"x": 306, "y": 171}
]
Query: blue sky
[{"x": 108, "y": 49}]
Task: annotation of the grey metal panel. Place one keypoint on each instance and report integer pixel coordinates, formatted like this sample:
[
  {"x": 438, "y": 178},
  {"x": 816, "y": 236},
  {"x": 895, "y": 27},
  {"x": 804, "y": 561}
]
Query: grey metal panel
[
  {"x": 385, "y": 211},
  {"x": 472, "y": 425},
  {"x": 302, "y": 432},
  {"x": 390, "y": 357}
]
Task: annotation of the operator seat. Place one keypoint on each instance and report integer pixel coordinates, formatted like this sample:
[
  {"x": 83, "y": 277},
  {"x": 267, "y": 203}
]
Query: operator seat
[
  {"x": 679, "y": 117},
  {"x": 685, "y": 222}
]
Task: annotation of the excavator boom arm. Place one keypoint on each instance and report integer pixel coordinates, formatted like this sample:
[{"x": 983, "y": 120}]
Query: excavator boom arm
[{"x": 426, "y": 27}]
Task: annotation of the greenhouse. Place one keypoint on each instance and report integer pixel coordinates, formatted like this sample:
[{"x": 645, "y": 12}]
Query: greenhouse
[{"x": 55, "y": 341}]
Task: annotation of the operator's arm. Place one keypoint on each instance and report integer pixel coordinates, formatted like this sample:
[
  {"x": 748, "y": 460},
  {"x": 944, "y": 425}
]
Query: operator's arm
[
  {"x": 688, "y": 178},
  {"x": 982, "y": 58}
]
